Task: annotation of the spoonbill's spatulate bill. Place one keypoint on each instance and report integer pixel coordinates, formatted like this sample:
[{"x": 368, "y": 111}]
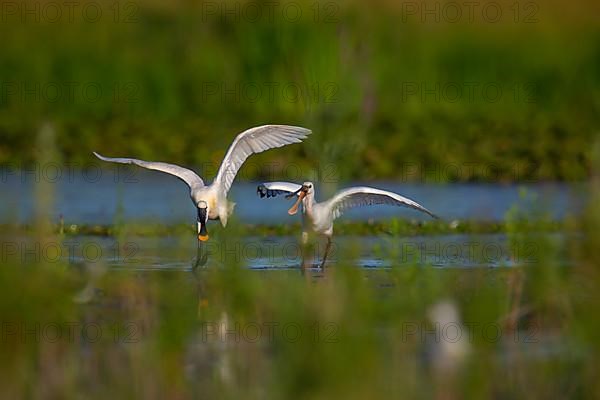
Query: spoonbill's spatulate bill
[
  {"x": 211, "y": 200},
  {"x": 319, "y": 217}
]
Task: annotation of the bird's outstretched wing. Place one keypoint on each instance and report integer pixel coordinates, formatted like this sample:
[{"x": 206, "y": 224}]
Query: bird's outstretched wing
[
  {"x": 186, "y": 175},
  {"x": 366, "y": 196},
  {"x": 272, "y": 189},
  {"x": 255, "y": 140}
]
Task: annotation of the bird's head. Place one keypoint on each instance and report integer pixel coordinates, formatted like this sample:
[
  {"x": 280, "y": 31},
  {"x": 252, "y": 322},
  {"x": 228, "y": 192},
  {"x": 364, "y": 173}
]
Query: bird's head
[
  {"x": 202, "y": 219},
  {"x": 307, "y": 189}
]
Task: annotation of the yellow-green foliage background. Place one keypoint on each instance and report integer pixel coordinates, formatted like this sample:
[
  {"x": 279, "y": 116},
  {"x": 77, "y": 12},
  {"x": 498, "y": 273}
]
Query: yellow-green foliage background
[{"x": 159, "y": 64}]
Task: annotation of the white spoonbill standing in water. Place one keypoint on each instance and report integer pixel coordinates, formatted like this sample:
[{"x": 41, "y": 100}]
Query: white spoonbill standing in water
[
  {"x": 319, "y": 217},
  {"x": 211, "y": 201}
]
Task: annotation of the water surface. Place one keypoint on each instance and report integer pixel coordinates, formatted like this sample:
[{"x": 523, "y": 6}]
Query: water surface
[{"x": 104, "y": 197}]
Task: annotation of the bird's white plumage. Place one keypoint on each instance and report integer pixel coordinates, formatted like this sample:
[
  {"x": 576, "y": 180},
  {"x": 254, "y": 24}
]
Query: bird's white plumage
[
  {"x": 186, "y": 175},
  {"x": 319, "y": 217},
  {"x": 213, "y": 198},
  {"x": 366, "y": 196},
  {"x": 255, "y": 140},
  {"x": 272, "y": 189}
]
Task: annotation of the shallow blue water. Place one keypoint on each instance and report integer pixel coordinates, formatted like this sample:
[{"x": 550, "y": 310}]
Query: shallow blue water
[
  {"x": 276, "y": 252},
  {"x": 103, "y": 195}
]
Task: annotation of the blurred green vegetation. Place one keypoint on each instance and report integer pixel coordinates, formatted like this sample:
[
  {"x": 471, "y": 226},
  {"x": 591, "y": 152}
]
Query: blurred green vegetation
[
  {"x": 75, "y": 328},
  {"x": 229, "y": 332},
  {"x": 391, "y": 226},
  {"x": 175, "y": 82}
]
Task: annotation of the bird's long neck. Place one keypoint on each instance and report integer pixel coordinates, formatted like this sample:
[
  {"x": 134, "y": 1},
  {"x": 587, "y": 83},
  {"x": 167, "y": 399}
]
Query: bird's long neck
[{"x": 308, "y": 202}]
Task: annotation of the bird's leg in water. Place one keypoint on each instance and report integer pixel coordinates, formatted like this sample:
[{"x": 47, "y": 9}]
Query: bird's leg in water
[
  {"x": 327, "y": 247},
  {"x": 304, "y": 250}
]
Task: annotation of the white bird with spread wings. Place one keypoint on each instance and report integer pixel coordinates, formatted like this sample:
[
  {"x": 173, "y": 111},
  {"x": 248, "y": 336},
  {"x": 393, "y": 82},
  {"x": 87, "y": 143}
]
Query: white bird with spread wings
[
  {"x": 211, "y": 200},
  {"x": 319, "y": 217}
]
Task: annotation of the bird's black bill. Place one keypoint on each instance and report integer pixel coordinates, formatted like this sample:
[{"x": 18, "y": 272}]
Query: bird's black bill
[{"x": 202, "y": 232}]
